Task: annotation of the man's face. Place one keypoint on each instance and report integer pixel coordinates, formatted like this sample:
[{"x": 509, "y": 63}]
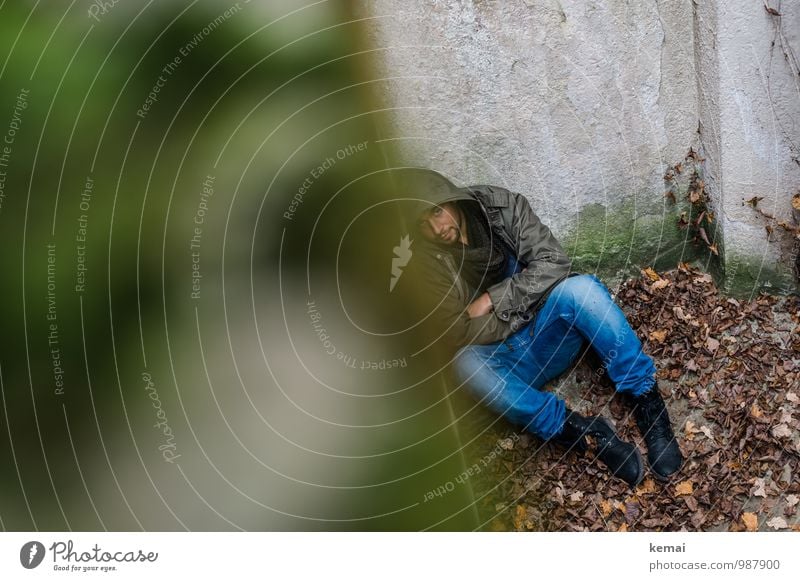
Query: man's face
[{"x": 443, "y": 223}]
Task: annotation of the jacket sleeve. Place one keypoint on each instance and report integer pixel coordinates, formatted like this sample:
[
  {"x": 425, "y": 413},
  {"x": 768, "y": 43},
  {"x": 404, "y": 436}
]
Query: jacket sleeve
[
  {"x": 546, "y": 263},
  {"x": 446, "y": 306}
]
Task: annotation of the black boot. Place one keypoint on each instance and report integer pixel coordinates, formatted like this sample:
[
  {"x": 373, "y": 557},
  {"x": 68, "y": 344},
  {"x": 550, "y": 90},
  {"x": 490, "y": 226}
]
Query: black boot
[
  {"x": 651, "y": 415},
  {"x": 622, "y": 459},
  {"x": 571, "y": 436}
]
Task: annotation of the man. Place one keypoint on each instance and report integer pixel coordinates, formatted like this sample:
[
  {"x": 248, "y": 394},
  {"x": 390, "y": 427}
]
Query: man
[{"x": 516, "y": 317}]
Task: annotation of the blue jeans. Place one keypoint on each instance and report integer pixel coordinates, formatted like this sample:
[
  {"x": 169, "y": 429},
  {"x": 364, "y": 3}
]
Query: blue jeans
[{"x": 507, "y": 376}]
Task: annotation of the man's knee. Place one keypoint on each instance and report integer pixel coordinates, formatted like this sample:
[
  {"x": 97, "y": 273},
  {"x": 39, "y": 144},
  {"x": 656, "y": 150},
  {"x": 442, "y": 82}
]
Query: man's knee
[
  {"x": 582, "y": 286},
  {"x": 466, "y": 360}
]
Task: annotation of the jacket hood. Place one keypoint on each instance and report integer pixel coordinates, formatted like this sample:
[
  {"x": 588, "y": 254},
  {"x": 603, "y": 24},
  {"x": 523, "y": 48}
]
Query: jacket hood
[{"x": 425, "y": 188}]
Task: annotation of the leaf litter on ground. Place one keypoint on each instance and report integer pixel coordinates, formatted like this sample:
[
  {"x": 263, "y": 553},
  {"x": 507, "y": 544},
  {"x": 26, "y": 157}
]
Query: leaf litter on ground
[{"x": 729, "y": 371}]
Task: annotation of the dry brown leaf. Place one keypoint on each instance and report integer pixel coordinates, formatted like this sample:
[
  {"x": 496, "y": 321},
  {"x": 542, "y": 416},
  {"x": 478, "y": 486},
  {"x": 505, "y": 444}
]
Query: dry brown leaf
[
  {"x": 750, "y": 521},
  {"x": 778, "y": 523},
  {"x": 755, "y": 411},
  {"x": 659, "y": 284},
  {"x": 759, "y": 488},
  {"x": 623, "y": 528},
  {"x": 678, "y": 311},
  {"x": 781, "y": 431},
  {"x": 606, "y": 507},
  {"x": 520, "y": 514},
  {"x": 506, "y": 444},
  {"x": 651, "y": 274},
  {"x": 658, "y": 336},
  {"x": 684, "y": 487},
  {"x": 712, "y": 344},
  {"x": 706, "y": 278},
  {"x": 792, "y": 397},
  {"x": 648, "y": 486},
  {"x": 558, "y": 493},
  {"x": 791, "y": 500}
]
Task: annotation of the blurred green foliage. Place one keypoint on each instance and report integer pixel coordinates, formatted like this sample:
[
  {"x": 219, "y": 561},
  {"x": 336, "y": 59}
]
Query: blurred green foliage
[{"x": 269, "y": 429}]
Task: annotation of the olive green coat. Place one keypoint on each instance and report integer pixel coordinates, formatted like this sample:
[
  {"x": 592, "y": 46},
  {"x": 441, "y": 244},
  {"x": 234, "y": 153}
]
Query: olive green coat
[{"x": 515, "y": 300}]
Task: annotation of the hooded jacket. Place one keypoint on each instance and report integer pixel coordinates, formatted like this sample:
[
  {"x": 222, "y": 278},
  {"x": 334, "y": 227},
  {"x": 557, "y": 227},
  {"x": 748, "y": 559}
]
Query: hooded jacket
[{"x": 516, "y": 299}]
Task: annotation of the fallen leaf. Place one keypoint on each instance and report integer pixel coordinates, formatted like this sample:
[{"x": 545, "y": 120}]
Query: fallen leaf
[
  {"x": 651, "y": 274},
  {"x": 659, "y": 284},
  {"x": 558, "y": 494},
  {"x": 698, "y": 518},
  {"x": 520, "y": 514},
  {"x": 759, "y": 488},
  {"x": 678, "y": 311},
  {"x": 623, "y": 528},
  {"x": 706, "y": 278},
  {"x": 648, "y": 486},
  {"x": 690, "y": 430},
  {"x": 791, "y": 500},
  {"x": 658, "y": 336},
  {"x": 712, "y": 344},
  {"x": 755, "y": 411},
  {"x": 750, "y": 521},
  {"x": 576, "y": 496},
  {"x": 632, "y": 511},
  {"x": 792, "y": 397},
  {"x": 781, "y": 431},
  {"x": 684, "y": 487},
  {"x": 778, "y": 522},
  {"x": 606, "y": 507}
]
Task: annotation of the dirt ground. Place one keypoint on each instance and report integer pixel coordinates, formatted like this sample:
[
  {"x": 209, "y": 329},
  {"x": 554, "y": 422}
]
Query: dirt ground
[{"x": 730, "y": 373}]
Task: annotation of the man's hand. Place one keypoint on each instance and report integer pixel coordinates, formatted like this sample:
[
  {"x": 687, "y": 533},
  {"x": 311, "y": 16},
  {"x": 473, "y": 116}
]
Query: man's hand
[{"x": 480, "y": 306}]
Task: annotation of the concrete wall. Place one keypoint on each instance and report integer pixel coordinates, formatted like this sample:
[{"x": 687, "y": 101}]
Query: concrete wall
[
  {"x": 583, "y": 106},
  {"x": 749, "y": 102}
]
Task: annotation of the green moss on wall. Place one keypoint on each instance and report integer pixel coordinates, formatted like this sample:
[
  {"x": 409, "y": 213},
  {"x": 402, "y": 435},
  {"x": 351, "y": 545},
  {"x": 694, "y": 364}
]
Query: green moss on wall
[
  {"x": 743, "y": 277},
  {"x": 617, "y": 241}
]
